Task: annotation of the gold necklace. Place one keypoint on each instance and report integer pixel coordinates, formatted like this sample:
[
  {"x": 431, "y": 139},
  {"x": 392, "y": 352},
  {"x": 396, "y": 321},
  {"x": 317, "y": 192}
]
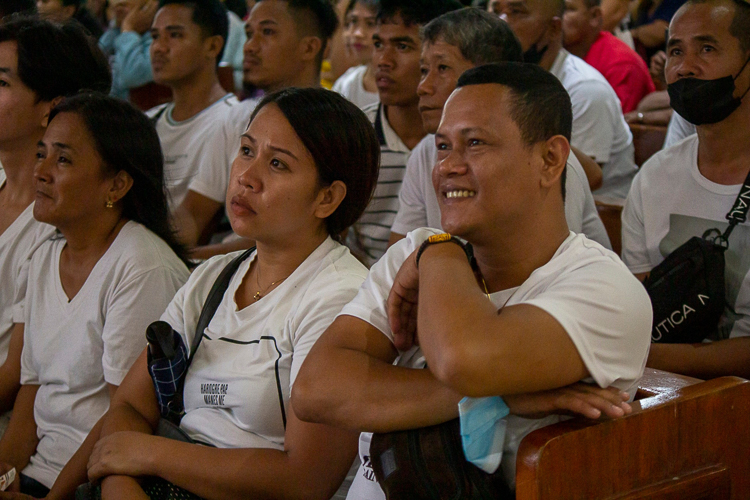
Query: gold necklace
[{"x": 260, "y": 294}]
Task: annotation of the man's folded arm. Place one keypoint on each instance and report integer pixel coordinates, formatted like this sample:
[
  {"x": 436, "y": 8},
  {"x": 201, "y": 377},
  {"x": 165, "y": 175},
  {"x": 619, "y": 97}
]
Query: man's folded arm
[{"x": 348, "y": 380}]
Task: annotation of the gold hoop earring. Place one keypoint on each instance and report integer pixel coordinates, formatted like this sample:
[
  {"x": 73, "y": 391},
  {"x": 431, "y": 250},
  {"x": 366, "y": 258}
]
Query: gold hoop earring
[{"x": 109, "y": 204}]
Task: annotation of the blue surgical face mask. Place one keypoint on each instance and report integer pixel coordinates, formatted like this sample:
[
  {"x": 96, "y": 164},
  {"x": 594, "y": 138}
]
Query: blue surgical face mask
[
  {"x": 483, "y": 430},
  {"x": 704, "y": 102}
]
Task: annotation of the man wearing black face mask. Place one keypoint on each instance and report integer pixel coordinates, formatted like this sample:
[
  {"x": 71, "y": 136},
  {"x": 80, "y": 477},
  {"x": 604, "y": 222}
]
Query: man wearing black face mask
[
  {"x": 691, "y": 187},
  {"x": 599, "y": 128}
]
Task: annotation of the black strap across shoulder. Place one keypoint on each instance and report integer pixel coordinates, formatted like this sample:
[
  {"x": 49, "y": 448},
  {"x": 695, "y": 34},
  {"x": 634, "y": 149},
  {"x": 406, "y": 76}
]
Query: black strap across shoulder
[
  {"x": 213, "y": 300},
  {"x": 154, "y": 119},
  {"x": 738, "y": 213}
]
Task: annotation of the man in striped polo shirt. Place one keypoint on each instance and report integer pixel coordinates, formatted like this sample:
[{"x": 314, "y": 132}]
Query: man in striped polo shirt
[{"x": 396, "y": 118}]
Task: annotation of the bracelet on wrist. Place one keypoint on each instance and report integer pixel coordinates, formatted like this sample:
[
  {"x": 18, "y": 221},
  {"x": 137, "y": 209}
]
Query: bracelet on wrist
[{"x": 443, "y": 238}]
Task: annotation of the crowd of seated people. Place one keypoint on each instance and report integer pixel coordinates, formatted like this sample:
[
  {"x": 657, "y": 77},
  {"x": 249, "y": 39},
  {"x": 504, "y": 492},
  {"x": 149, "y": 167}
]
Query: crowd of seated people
[{"x": 417, "y": 245}]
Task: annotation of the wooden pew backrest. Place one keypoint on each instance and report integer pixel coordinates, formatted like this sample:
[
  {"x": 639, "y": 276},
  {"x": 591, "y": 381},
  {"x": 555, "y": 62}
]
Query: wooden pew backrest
[{"x": 685, "y": 439}]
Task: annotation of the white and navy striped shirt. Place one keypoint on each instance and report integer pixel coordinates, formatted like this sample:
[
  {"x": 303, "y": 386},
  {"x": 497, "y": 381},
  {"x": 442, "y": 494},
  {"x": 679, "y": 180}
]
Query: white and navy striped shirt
[{"x": 368, "y": 237}]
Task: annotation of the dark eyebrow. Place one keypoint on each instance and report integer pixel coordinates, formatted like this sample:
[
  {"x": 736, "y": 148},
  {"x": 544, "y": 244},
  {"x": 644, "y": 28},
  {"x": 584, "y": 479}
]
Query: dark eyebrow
[
  {"x": 283, "y": 151},
  {"x": 273, "y": 148},
  {"x": 401, "y": 39},
  {"x": 267, "y": 21},
  {"x": 699, "y": 38},
  {"x": 60, "y": 145},
  {"x": 5, "y": 70}
]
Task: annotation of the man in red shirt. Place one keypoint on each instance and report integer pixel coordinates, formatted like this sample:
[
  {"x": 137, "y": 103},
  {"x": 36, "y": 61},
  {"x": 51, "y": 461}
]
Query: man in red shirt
[{"x": 621, "y": 66}]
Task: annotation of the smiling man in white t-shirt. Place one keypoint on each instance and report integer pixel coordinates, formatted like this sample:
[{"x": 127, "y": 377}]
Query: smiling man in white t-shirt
[
  {"x": 689, "y": 188},
  {"x": 570, "y": 310}
]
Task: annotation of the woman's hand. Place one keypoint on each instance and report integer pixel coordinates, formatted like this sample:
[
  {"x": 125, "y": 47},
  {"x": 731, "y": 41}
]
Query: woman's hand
[
  {"x": 578, "y": 399},
  {"x": 402, "y": 304},
  {"x": 122, "y": 454}
]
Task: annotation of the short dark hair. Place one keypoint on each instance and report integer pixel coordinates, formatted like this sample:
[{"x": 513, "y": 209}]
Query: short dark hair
[
  {"x": 412, "y": 12},
  {"x": 8, "y": 7},
  {"x": 482, "y": 38},
  {"x": 590, "y": 4},
  {"x": 127, "y": 141},
  {"x": 209, "y": 15},
  {"x": 56, "y": 60},
  {"x": 539, "y": 105},
  {"x": 314, "y": 17},
  {"x": 341, "y": 141}
]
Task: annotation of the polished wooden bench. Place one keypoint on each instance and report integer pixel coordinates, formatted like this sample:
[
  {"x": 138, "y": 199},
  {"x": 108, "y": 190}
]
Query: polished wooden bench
[
  {"x": 610, "y": 212},
  {"x": 686, "y": 439}
]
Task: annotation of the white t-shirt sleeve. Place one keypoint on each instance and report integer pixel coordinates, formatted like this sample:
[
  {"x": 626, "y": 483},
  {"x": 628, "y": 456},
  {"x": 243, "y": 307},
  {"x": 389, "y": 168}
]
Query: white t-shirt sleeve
[
  {"x": 608, "y": 336},
  {"x": 29, "y": 374},
  {"x": 327, "y": 296},
  {"x": 412, "y": 210},
  {"x": 20, "y": 293},
  {"x": 635, "y": 253},
  {"x": 132, "y": 307},
  {"x": 593, "y": 119},
  {"x": 212, "y": 178},
  {"x": 678, "y": 129},
  {"x": 370, "y": 303}
]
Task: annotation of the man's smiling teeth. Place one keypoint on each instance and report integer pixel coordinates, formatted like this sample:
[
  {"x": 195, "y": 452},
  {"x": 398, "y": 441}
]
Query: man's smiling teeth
[{"x": 460, "y": 194}]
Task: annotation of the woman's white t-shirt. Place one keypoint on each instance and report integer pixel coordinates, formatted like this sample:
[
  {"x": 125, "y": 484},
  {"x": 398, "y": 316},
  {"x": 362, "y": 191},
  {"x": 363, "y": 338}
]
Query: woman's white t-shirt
[
  {"x": 17, "y": 244},
  {"x": 74, "y": 348},
  {"x": 238, "y": 386},
  {"x": 351, "y": 85}
]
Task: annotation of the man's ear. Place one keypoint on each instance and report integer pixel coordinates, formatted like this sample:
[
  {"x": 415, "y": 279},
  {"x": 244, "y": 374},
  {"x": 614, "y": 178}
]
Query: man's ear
[
  {"x": 556, "y": 152},
  {"x": 329, "y": 199},
  {"x": 214, "y": 45},
  {"x": 47, "y": 109},
  {"x": 555, "y": 29},
  {"x": 597, "y": 17},
  {"x": 310, "y": 47},
  {"x": 121, "y": 184}
]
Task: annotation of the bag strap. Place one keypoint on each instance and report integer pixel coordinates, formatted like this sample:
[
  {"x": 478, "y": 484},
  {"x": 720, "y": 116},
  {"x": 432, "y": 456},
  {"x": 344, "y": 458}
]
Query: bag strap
[
  {"x": 154, "y": 119},
  {"x": 215, "y": 296},
  {"x": 738, "y": 213}
]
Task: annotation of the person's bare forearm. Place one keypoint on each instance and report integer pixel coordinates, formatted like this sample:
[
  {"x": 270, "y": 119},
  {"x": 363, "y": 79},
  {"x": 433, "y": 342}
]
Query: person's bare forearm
[
  {"x": 613, "y": 12},
  {"x": 123, "y": 417},
  {"x": 20, "y": 439},
  {"x": 651, "y": 35},
  {"x": 10, "y": 371},
  {"x": 74, "y": 472},
  {"x": 477, "y": 351},
  {"x": 122, "y": 488},
  {"x": 348, "y": 380},
  {"x": 369, "y": 395},
  {"x": 216, "y": 473},
  {"x": 704, "y": 361},
  {"x": 591, "y": 168}
]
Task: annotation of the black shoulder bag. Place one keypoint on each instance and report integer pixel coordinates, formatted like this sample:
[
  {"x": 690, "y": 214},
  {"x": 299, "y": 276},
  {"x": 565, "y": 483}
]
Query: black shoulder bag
[
  {"x": 167, "y": 360},
  {"x": 687, "y": 288},
  {"x": 168, "y": 363}
]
